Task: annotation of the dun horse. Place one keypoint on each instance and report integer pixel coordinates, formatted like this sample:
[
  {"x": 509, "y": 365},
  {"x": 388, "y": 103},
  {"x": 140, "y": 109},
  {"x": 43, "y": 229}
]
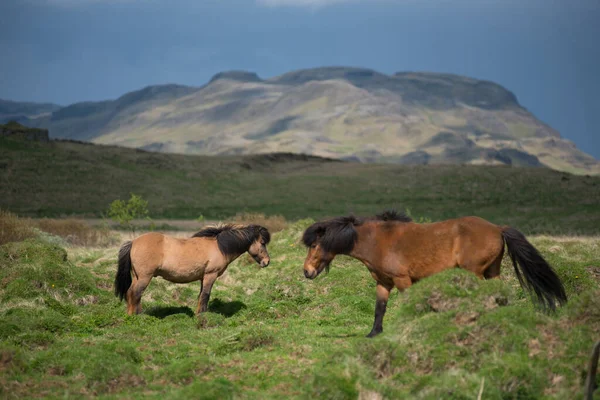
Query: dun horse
[
  {"x": 204, "y": 256},
  {"x": 399, "y": 252}
]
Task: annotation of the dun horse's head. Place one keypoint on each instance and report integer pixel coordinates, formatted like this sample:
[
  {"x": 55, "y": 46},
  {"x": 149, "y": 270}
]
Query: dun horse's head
[
  {"x": 234, "y": 240},
  {"x": 258, "y": 248},
  {"x": 325, "y": 240}
]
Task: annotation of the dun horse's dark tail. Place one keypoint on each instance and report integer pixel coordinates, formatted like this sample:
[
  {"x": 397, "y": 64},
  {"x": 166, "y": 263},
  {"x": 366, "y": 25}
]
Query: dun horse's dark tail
[
  {"x": 123, "y": 278},
  {"x": 533, "y": 271}
]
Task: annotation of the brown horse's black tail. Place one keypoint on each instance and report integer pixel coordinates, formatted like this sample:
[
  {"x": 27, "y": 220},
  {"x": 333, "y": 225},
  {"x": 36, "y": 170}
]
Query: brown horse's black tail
[
  {"x": 533, "y": 271},
  {"x": 123, "y": 278}
]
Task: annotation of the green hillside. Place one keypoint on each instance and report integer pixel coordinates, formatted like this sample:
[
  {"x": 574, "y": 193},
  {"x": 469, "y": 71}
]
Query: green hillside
[{"x": 63, "y": 178}]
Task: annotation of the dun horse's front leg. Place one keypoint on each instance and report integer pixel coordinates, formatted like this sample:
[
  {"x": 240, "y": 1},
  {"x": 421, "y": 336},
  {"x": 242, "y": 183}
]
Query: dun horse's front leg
[
  {"x": 383, "y": 294},
  {"x": 204, "y": 297}
]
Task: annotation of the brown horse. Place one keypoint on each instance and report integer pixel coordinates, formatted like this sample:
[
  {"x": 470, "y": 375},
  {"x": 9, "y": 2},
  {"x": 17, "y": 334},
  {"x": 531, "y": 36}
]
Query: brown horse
[
  {"x": 399, "y": 252},
  {"x": 204, "y": 256}
]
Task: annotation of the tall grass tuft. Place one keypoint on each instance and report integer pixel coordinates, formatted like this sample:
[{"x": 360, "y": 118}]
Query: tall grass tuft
[
  {"x": 13, "y": 228},
  {"x": 274, "y": 223},
  {"x": 78, "y": 233}
]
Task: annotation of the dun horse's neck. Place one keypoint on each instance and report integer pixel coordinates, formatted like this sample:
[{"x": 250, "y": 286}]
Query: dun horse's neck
[
  {"x": 229, "y": 258},
  {"x": 365, "y": 244}
]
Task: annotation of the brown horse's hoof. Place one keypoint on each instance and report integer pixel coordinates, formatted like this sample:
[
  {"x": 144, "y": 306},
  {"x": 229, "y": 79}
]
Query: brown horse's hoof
[{"x": 373, "y": 334}]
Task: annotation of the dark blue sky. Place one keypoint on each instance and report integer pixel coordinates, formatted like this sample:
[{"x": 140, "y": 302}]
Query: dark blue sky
[{"x": 547, "y": 52}]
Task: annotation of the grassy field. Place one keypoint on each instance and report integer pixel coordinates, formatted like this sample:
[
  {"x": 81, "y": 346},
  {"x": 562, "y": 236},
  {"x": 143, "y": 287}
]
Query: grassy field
[
  {"x": 271, "y": 333},
  {"x": 74, "y": 179}
]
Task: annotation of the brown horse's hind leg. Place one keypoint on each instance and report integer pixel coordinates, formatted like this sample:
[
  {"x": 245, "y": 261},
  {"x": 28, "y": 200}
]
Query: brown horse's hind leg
[
  {"x": 493, "y": 270},
  {"x": 134, "y": 295}
]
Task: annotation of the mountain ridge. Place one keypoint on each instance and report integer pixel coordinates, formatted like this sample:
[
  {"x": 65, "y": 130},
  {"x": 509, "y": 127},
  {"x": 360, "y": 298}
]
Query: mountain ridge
[{"x": 337, "y": 112}]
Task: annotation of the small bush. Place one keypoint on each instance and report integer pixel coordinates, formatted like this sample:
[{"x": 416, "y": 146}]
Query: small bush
[
  {"x": 125, "y": 212},
  {"x": 274, "y": 223},
  {"x": 77, "y": 232},
  {"x": 13, "y": 228}
]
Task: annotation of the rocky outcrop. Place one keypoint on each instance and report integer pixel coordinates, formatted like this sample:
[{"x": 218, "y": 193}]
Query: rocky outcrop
[{"x": 15, "y": 130}]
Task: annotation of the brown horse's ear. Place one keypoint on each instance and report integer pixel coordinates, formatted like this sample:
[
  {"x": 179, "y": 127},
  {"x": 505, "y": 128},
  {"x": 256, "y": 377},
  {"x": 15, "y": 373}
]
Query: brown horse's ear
[{"x": 313, "y": 233}]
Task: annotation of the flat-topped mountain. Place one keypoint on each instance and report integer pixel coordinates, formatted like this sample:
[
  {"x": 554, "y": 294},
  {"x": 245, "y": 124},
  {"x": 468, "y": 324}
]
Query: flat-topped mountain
[{"x": 337, "y": 112}]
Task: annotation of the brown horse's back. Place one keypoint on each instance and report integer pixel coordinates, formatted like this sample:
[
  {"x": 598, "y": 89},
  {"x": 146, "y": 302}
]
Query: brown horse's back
[
  {"x": 479, "y": 246},
  {"x": 421, "y": 250}
]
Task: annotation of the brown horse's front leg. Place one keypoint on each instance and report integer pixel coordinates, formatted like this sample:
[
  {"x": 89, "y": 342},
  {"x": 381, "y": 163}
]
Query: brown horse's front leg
[
  {"x": 383, "y": 293},
  {"x": 207, "y": 283}
]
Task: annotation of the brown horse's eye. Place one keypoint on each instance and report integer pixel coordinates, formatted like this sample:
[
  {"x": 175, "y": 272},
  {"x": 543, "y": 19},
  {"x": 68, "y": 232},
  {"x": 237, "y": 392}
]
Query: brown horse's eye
[{"x": 313, "y": 246}]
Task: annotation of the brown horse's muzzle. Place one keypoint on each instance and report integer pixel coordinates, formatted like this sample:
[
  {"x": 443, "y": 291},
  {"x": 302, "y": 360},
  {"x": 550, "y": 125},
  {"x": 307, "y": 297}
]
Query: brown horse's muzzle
[{"x": 312, "y": 273}]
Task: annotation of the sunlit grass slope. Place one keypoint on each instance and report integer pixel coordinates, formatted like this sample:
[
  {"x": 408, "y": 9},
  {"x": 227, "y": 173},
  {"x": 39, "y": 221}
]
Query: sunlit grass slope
[{"x": 271, "y": 333}]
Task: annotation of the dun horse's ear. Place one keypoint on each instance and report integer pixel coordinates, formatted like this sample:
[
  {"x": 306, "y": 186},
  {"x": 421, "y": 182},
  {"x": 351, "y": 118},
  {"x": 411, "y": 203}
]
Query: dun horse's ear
[{"x": 264, "y": 233}]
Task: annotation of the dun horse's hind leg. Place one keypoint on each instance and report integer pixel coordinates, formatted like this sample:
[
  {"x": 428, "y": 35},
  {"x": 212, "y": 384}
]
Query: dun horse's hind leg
[
  {"x": 134, "y": 294},
  {"x": 206, "y": 287}
]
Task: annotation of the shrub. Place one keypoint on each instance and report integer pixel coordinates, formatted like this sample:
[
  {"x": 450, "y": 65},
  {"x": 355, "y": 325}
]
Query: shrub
[{"x": 125, "y": 212}]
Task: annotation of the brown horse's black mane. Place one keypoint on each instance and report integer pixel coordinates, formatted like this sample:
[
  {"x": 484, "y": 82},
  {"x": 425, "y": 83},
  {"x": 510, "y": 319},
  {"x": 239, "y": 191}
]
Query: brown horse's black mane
[
  {"x": 235, "y": 239},
  {"x": 393, "y": 215},
  {"x": 337, "y": 235}
]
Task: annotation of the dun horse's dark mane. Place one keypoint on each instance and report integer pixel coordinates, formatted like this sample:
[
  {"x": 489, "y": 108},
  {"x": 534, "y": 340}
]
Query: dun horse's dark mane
[
  {"x": 235, "y": 239},
  {"x": 337, "y": 235}
]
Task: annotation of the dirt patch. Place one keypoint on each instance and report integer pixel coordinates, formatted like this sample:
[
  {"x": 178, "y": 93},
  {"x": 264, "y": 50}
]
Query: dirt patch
[
  {"x": 421, "y": 365},
  {"x": 466, "y": 318},
  {"x": 555, "y": 382},
  {"x": 86, "y": 300},
  {"x": 123, "y": 382},
  {"x": 495, "y": 301},
  {"x": 104, "y": 285},
  {"x": 6, "y": 360},
  {"x": 438, "y": 303},
  {"x": 549, "y": 342},
  {"x": 594, "y": 272},
  {"x": 364, "y": 394},
  {"x": 56, "y": 371},
  {"x": 555, "y": 249},
  {"x": 534, "y": 348}
]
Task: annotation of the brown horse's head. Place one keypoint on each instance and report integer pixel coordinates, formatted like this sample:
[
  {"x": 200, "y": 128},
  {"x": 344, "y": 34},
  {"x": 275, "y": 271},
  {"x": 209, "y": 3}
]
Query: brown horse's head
[
  {"x": 258, "y": 248},
  {"x": 325, "y": 240}
]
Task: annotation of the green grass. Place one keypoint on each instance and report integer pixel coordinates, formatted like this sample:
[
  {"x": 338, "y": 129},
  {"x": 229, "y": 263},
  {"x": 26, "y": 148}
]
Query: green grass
[
  {"x": 271, "y": 333},
  {"x": 66, "y": 179}
]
